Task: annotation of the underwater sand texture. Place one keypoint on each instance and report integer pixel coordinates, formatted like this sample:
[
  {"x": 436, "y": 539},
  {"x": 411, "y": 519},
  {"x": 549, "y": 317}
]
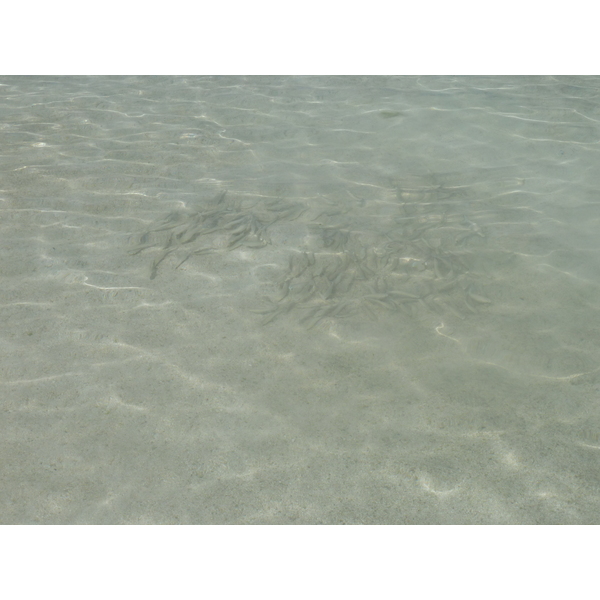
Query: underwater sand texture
[{"x": 299, "y": 300}]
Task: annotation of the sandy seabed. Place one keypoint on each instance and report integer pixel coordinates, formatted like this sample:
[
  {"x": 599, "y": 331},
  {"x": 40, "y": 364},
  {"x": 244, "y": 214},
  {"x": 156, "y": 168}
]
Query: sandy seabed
[{"x": 205, "y": 322}]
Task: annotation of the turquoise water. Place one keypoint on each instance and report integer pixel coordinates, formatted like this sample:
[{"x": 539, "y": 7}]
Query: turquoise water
[{"x": 299, "y": 300}]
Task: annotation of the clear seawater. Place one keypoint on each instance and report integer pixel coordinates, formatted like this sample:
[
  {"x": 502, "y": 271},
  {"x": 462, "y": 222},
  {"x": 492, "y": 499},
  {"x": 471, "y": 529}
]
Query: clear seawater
[{"x": 300, "y": 300}]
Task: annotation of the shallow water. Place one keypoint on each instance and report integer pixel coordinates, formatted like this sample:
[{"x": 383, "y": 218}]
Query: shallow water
[{"x": 300, "y": 300}]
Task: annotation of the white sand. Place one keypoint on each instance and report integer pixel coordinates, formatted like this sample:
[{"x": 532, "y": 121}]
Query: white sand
[{"x": 131, "y": 400}]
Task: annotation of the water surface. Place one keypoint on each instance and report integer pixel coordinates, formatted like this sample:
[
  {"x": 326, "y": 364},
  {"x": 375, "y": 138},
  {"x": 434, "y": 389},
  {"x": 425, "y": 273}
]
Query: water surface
[{"x": 299, "y": 300}]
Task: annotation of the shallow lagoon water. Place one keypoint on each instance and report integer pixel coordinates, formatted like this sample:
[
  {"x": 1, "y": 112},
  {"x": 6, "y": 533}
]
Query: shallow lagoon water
[{"x": 300, "y": 300}]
